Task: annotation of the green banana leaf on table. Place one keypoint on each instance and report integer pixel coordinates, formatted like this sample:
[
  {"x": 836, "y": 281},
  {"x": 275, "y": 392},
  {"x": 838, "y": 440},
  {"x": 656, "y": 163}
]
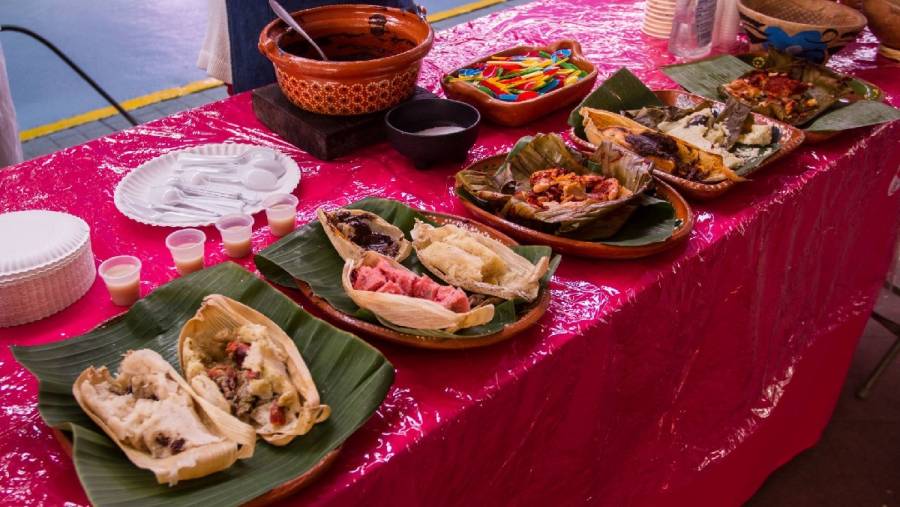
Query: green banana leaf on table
[
  {"x": 706, "y": 77},
  {"x": 351, "y": 376},
  {"x": 307, "y": 255}
]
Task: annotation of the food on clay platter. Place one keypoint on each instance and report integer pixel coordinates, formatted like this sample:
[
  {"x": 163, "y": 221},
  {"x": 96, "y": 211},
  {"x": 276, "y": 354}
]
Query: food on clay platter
[
  {"x": 548, "y": 187},
  {"x": 668, "y": 153},
  {"x": 398, "y": 295},
  {"x": 159, "y": 422},
  {"x": 521, "y": 77},
  {"x": 477, "y": 263},
  {"x": 728, "y": 131},
  {"x": 778, "y": 95},
  {"x": 243, "y": 363},
  {"x": 353, "y": 231}
]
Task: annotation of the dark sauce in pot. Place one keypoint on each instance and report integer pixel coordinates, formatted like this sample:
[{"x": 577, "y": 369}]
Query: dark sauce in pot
[{"x": 346, "y": 47}]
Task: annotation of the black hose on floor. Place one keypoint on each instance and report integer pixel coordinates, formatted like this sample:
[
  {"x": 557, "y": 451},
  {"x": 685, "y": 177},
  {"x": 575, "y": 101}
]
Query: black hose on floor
[{"x": 76, "y": 68}]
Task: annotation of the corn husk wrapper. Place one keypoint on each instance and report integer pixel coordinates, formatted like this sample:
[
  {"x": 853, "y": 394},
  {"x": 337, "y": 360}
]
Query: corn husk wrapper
[
  {"x": 600, "y": 126},
  {"x": 203, "y": 336},
  {"x": 585, "y": 220},
  {"x": 408, "y": 311},
  {"x": 347, "y": 249},
  {"x": 438, "y": 249},
  {"x": 192, "y": 463}
]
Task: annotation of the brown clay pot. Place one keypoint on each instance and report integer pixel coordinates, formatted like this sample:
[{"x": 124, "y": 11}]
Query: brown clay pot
[
  {"x": 884, "y": 21},
  {"x": 374, "y": 57}
]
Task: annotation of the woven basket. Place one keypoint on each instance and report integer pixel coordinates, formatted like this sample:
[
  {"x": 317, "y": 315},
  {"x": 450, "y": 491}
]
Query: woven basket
[{"x": 812, "y": 29}]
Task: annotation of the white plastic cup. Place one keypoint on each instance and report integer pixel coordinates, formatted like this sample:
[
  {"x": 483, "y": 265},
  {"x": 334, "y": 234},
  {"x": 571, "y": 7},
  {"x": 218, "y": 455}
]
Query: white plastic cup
[
  {"x": 281, "y": 212},
  {"x": 235, "y": 230},
  {"x": 187, "y": 249},
  {"x": 122, "y": 276}
]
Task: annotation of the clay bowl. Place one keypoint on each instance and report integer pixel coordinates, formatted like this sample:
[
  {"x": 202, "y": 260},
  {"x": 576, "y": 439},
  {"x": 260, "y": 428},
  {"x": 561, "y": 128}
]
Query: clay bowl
[
  {"x": 811, "y": 29},
  {"x": 515, "y": 114},
  {"x": 884, "y": 21},
  {"x": 580, "y": 248},
  {"x": 527, "y": 318},
  {"x": 406, "y": 121},
  {"x": 791, "y": 139},
  {"x": 374, "y": 57}
]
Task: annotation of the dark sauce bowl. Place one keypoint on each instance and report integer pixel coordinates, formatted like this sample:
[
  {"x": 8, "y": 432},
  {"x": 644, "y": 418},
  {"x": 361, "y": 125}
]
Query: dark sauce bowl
[{"x": 406, "y": 122}]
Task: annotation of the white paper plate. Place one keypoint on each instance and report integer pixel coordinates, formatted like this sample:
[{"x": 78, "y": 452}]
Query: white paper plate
[
  {"x": 135, "y": 187},
  {"x": 38, "y": 239}
]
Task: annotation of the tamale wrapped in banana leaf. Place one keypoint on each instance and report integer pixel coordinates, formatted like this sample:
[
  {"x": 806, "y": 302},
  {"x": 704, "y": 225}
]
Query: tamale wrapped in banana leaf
[
  {"x": 546, "y": 186},
  {"x": 668, "y": 154},
  {"x": 159, "y": 421}
]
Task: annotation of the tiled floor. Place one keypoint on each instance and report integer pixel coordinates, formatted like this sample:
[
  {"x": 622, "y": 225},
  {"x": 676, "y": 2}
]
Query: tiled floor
[
  {"x": 857, "y": 461},
  {"x": 93, "y": 130}
]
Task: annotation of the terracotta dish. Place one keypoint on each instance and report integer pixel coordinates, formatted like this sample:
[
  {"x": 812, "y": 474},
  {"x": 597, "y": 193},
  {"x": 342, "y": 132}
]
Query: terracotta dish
[
  {"x": 577, "y": 247},
  {"x": 884, "y": 21},
  {"x": 374, "y": 57},
  {"x": 270, "y": 497},
  {"x": 352, "y": 324},
  {"x": 791, "y": 139},
  {"x": 514, "y": 114},
  {"x": 811, "y": 29}
]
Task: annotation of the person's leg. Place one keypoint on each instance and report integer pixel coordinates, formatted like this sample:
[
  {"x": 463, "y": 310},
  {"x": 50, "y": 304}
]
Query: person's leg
[{"x": 10, "y": 147}]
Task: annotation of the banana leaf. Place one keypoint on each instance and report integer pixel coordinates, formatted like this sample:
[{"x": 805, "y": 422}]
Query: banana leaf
[
  {"x": 306, "y": 254},
  {"x": 623, "y": 90},
  {"x": 352, "y": 377},
  {"x": 706, "y": 77},
  {"x": 863, "y": 113}
]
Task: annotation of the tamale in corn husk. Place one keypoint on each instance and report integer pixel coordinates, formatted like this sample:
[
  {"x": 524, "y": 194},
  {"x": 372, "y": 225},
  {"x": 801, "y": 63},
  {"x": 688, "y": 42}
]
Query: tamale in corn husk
[
  {"x": 159, "y": 421},
  {"x": 239, "y": 360},
  {"x": 399, "y": 296},
  {"x": 353, "y": 231},
  {"x": 476, "y": 263}
]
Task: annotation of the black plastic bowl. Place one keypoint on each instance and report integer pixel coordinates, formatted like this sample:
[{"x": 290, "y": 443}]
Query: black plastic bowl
[{"x": 406, "y": 120}]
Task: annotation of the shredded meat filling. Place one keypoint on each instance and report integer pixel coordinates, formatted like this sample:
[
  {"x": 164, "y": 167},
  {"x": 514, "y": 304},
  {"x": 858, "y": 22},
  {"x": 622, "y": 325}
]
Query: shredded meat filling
[
  {"x": 561, "y": 186},
  {"x": 235, "y": 384}
]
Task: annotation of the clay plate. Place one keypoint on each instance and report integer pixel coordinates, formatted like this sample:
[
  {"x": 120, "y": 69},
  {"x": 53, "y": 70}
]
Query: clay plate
[
  {"x": 526, "y": 320},
  {"x": 578, "y": 247},
  {"x": 268, "y": 498},
  {"x": 791, "y": 139},
  {"x": 514, "y": 114}
]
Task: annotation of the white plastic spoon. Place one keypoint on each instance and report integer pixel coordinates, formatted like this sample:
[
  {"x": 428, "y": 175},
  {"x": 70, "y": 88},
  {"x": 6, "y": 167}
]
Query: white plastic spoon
[{"x": 254, "y": 179}]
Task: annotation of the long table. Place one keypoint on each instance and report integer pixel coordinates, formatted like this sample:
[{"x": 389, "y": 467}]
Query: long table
[{"x": 684, "y": 378}]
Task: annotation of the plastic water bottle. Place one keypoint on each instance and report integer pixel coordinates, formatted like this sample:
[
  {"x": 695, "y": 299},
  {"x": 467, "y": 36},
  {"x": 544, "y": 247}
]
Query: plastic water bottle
[{"x": 692, "y": 28}]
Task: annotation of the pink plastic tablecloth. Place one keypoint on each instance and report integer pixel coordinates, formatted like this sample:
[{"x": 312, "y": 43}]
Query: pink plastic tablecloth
[{"x": 681, "y": 379}]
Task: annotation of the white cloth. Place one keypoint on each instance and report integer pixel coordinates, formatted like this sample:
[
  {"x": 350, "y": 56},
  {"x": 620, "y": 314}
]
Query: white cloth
[
  {"x": 10, "y": 147},
  {"x": 215, "y": 55}
]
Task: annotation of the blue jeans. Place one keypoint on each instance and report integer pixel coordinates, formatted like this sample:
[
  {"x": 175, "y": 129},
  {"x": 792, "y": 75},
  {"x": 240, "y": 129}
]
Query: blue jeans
[{"x": 246, "y": 19}]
